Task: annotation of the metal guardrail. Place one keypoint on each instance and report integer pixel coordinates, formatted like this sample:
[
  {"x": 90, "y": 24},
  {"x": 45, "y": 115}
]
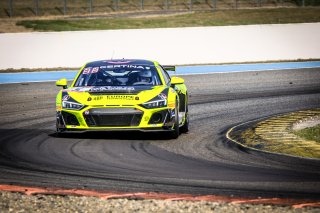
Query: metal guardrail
[{"x": 64, "y": 6}]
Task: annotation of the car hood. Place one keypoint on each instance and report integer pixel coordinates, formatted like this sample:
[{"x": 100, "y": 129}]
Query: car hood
[{"x": 113, "y": 95}]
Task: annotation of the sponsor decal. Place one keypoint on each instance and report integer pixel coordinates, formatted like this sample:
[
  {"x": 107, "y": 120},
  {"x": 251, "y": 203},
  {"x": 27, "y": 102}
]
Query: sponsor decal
[
  {"x": 66, "y": 97},
  {"x": 90, "y": 70},
  {"x": 113, "y": 97},
  {"x": 137, "y": 98},
  {"x": 162, "y": 96},
  {"x": 86, "y": 70},
  {"x": 101, "y": 89},
  {"x": 128, "y": 66},
  {"x": 95, "y": 70},
  {"x": 120, "y": 97},
  {"x": 97, "y": 98},
  {"x": 111, "y": 88},
  {"x": 80, "y": 89}
]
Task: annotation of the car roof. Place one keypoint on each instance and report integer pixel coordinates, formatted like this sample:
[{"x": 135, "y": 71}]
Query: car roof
[{"x": 120, "y": 62}]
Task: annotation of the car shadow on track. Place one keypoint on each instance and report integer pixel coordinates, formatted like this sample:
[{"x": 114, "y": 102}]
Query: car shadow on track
[{"x": 119, "y": 135}]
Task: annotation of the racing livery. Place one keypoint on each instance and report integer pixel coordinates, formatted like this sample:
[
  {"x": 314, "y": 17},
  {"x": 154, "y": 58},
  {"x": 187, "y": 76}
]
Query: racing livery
[{"x": 123, "y": 95}]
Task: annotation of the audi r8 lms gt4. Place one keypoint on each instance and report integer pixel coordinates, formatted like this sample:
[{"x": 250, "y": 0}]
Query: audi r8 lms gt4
[{"x": 123, "y": 95}]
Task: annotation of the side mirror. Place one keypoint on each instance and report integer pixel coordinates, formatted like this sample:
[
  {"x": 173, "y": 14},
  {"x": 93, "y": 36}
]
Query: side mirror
[
  {"x": 62, "y": 83},
  {"x": 176, "y": 80}
]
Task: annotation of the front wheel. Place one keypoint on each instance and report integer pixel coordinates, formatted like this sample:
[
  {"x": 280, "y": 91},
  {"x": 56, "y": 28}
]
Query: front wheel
[
  {"x": 175, "y": 132},
  {"x": 59, "y": 131},
  {"x": 185, "y": 126}
]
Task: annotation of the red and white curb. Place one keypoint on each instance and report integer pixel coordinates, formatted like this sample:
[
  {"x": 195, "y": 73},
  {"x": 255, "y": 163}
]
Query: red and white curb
[{"x": 295, "y": 203}]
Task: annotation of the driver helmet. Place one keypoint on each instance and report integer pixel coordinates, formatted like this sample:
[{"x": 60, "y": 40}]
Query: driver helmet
[{"x": 145, "y": 76}]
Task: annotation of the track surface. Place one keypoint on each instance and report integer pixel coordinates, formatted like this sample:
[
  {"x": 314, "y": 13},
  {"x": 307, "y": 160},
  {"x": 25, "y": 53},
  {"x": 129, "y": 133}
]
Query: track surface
[{"x": 200, "y": 162}]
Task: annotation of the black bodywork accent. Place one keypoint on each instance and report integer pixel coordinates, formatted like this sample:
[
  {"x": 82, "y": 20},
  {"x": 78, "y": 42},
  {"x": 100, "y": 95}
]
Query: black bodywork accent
[
  {"x": 182, "y": 102},
  {"x": 70, "y": 119},
  {"x": 159, "y": 117},
  {"x": 112, "y": 117},
  {"x": 59, "y": 121},
  {"x": 69, "y": 98},
  {"x": 120, "y": 61}
]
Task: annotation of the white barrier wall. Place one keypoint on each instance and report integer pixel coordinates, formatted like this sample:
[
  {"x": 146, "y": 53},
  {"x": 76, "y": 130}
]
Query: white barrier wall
[{"x": 195, "y": 45}]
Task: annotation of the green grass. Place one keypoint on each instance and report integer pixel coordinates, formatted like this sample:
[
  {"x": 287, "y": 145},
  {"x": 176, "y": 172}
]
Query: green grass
[
  {"x": 312, "y": 133},
  {"x": 219, "y": 18},
  {"x": 250, "y": 139}
]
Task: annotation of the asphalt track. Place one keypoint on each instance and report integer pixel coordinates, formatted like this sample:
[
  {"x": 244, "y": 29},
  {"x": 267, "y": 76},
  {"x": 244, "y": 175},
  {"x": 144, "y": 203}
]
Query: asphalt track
[{"x": 200, "y": 162}]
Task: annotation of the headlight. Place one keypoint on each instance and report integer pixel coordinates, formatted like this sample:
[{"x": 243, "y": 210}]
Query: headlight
[
  {"x": 71, "y": 105},
  {"x": 157, "y": 102}
]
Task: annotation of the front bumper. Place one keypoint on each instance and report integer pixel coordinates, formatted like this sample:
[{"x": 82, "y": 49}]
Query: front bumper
[{"x": 113, "y": 118}]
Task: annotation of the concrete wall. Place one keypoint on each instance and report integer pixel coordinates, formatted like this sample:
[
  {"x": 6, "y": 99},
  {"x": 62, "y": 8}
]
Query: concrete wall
[{"x": 198, "y": 45}]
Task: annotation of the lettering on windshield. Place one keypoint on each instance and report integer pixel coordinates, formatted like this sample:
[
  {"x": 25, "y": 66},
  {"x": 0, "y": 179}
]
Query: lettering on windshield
[
  {"x": 126, "y": 66},
  {"x": 110, "y": 88}
]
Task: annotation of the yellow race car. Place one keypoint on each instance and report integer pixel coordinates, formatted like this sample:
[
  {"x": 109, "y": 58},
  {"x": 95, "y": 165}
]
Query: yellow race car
[{"x": 123, "y": 95}]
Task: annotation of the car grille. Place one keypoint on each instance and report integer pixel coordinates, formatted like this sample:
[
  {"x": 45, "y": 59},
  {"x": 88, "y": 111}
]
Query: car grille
[{"x": 112, "y": 117}]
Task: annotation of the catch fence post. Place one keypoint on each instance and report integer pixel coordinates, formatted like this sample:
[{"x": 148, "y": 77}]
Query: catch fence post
[
  {"x": 36, "y": 7},
  {"x": 303, "y": 3},
  {"x": 65, "y": 7},
  {"x": 167, "y": 5},
  {"x": 141, "y": 4},
  {"x": 10, "y": 8},
  {"x": 214, "y": 4},
  {"x": 258, "y": 3},
  {"x": 90, "y": 6},
  {"x": 115, "y": 4},
  {"x": 190, "y": 5}
]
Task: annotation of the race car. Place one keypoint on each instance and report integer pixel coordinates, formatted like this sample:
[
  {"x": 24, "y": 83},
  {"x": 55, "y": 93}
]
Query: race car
[{"x": 123, "y": 94}]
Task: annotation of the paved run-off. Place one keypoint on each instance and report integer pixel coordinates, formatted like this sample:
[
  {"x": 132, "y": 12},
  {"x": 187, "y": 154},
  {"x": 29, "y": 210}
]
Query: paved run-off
[{"x": 276, "y": 135}]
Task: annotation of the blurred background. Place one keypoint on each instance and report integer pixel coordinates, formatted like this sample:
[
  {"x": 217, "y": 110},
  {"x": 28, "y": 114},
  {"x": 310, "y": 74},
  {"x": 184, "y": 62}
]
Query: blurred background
[{"x": 28, "y": 8}]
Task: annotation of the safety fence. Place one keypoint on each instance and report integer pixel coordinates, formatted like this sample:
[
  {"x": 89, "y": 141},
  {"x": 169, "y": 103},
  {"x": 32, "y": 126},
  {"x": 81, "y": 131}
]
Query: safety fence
[{"x": 26, "y": 8}]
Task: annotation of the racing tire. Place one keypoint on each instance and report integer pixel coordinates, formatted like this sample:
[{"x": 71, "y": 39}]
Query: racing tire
[
  {"x": 185, "y": 126},
  {"x": 176, "y": 132},
  {"x": 59, "y": 131}
]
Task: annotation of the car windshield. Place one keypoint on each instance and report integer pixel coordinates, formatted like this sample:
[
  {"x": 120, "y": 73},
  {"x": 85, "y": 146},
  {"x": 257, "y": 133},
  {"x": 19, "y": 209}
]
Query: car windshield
[{"x": 118, "y": 75}]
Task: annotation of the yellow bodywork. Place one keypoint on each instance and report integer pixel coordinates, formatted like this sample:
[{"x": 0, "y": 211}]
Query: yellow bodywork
[{"x": 116, "y": 101}]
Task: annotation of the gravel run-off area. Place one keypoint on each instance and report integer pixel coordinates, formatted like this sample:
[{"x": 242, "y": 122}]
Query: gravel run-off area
[{"x": 17, "y": 202}]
